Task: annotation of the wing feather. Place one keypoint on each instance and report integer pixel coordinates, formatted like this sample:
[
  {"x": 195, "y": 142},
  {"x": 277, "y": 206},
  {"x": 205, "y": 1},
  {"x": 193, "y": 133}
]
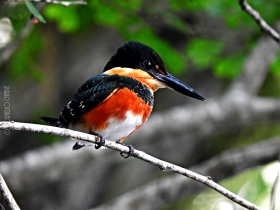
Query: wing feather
[{"x": 92, "y": 93}]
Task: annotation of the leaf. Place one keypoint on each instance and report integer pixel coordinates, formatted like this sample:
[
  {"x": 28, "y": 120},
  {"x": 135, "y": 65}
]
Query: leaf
[
  {"x": 67, "y": 18},
  {"x": 34, "y": 11}
]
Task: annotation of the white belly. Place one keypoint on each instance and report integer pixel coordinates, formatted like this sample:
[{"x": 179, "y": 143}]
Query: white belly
[{"x": 118, "y": 129}]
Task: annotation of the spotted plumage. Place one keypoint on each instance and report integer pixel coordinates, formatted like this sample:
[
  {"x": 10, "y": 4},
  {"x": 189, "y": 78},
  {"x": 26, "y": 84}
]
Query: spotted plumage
[{"x": 117, "y": 102}]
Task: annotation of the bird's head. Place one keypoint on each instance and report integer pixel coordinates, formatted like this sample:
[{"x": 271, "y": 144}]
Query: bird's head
[{"x": 138, "y": 56}]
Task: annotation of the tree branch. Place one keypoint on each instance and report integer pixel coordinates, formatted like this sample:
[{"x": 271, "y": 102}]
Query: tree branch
[
  {"x": 163, "y": 165},
  {"x": 227, "y": 164},
  {"x": 64, "y": 3},
  {"x": 255, "y": 67},
  {"x": 259, "y": 20},
  {"x": 6, "y": 198}
]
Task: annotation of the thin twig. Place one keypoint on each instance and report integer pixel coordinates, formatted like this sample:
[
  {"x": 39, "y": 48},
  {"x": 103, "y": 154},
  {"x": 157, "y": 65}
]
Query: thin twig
[
  {"x": 7, "y": 200},
  {"x": 13, "y": 46},
  {"x": 163, "y": 165},
  {"x": 64, "y": 3},
  {"x": 259, "y": 20}
]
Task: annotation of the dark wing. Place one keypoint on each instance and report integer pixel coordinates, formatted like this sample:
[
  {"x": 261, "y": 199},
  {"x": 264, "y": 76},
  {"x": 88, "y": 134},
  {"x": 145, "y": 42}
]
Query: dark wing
[{"x": 93, "y": 92}]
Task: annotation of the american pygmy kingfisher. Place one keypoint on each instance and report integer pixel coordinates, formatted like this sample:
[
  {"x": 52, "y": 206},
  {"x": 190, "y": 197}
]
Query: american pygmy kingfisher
[{"x": 117, "y": 102}]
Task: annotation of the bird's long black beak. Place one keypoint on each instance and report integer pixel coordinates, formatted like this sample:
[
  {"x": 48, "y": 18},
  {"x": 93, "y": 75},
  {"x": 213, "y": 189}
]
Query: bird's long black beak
[{"x": 175, "y": 84}]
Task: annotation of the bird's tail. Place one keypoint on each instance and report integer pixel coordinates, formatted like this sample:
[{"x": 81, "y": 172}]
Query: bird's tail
[{"x": 52, "y": 121}]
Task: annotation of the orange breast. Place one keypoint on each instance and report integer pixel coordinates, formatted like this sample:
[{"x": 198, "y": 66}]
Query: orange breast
[{"x": 111, "y": 113}]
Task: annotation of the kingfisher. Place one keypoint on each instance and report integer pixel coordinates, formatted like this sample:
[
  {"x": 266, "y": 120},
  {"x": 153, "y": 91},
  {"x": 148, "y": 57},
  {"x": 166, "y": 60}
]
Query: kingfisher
[{"x": 117, "y": 102}]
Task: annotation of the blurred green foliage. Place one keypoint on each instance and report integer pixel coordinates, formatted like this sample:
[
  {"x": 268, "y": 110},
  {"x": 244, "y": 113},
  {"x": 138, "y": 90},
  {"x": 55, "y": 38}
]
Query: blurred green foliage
[
  {"x": 22, "y": 62},
  {"x": 128, "y": 18},
  {"x": 229, "y": 66},
  {"x": 275, "y": 66},
  {"x": 204, "y": 52}
]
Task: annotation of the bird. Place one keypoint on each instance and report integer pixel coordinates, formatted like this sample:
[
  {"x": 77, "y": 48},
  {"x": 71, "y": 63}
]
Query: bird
[{"x": 116, "y": 103}]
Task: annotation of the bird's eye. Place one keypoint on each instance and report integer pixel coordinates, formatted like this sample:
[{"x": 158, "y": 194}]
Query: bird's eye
[{"x": 148, "y": 64}]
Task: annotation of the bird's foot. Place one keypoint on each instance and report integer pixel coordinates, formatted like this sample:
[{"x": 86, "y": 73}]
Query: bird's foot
[
  {"x": 130, "y": 152},
  {"x": 101, "y": 142},
  {"x": 80, "y": 144}
]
